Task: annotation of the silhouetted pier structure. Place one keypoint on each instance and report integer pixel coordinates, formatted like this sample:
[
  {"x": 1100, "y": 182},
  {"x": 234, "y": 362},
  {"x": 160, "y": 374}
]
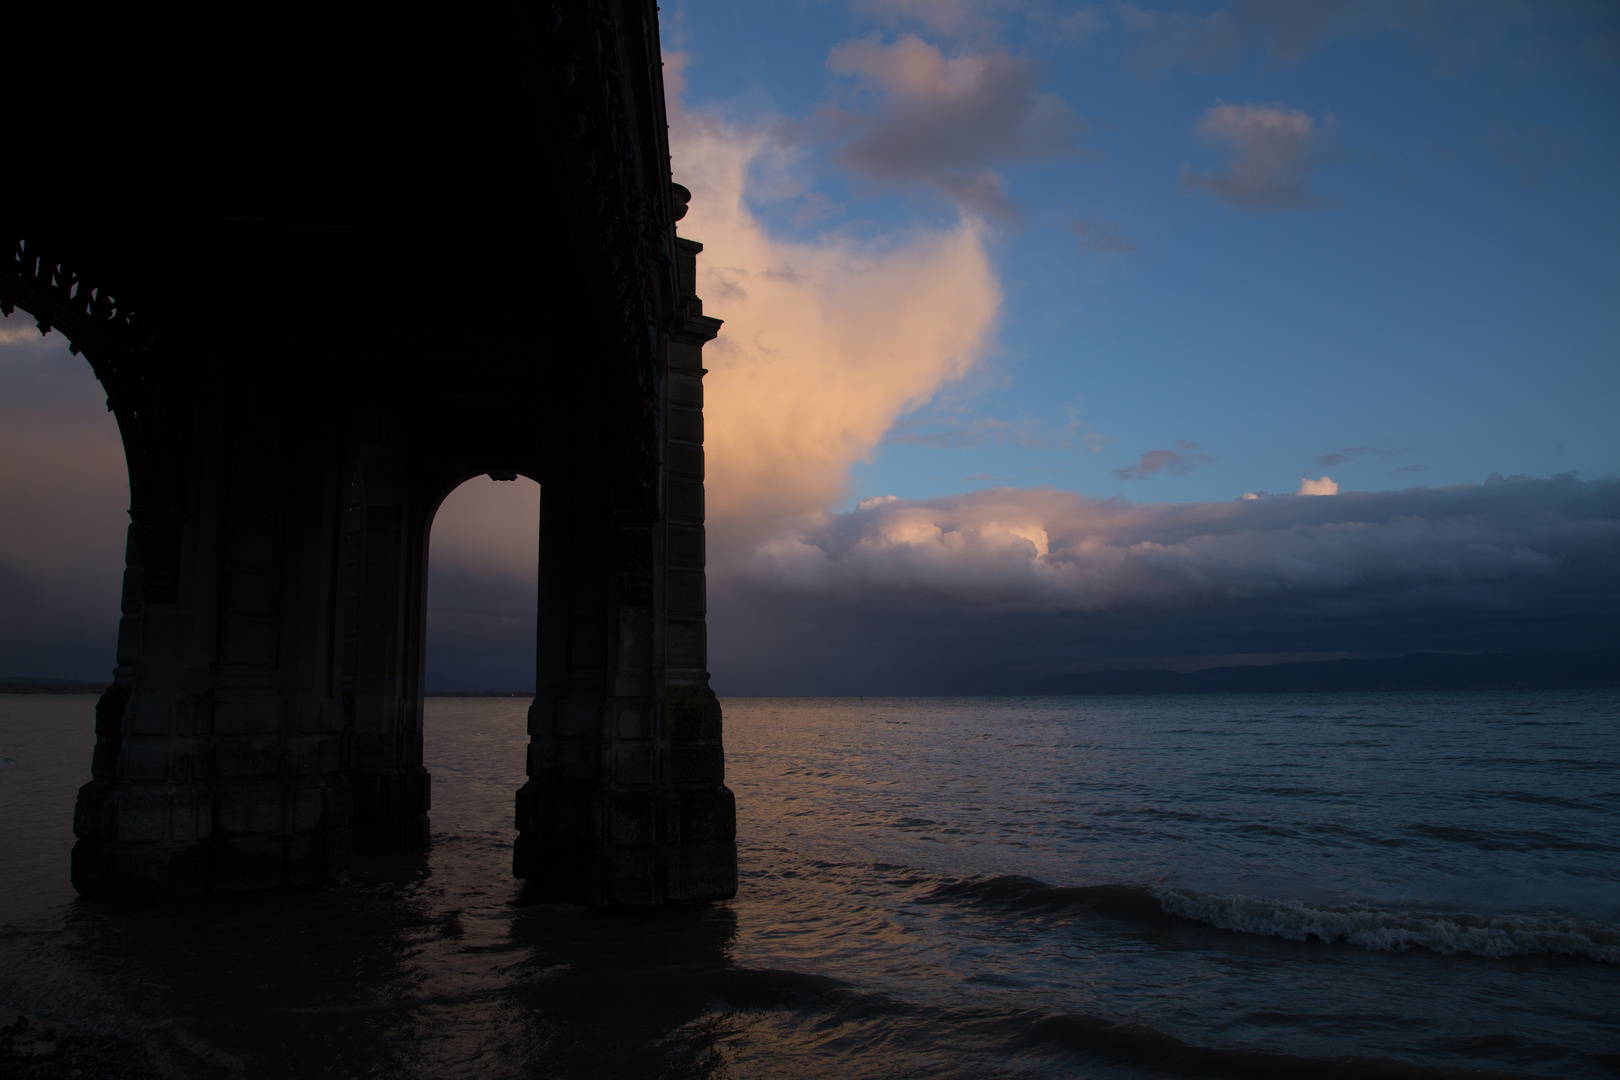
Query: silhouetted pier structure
[{"x": 327, "y": 269}]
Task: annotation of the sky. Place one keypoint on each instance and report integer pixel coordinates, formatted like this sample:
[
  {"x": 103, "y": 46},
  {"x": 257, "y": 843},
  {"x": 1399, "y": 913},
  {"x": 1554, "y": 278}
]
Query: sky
[
  {"x": 1069, "y": 336},
  {"x": 1063, "y": 337}
]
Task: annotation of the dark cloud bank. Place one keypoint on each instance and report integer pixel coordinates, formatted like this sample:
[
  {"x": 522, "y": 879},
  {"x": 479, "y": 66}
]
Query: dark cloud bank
[
  {"x": 954, "y": 595},
  {"x": 481, "y": 631}
]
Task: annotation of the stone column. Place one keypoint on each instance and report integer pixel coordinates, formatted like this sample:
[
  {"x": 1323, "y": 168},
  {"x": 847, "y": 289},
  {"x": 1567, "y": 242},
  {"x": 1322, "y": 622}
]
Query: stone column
[
  {"x": 626, "y": 804},
  {"x": 281, "y": 808},
  {"x": 704, "y": 859},
  {"x": 382, "y": 617},
  {"x": 145, "y": 820},
  {"x": 216, "y": 767}
]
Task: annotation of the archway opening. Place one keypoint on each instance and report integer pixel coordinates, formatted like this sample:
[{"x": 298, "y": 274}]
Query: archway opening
[
  {"x": 479, "y": 671},
  {"x": 65, "y": 490},
  {"x": 483, "y": 577}
]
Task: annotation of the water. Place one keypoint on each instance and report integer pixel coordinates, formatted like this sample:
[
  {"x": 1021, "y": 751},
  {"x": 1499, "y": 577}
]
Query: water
[{"x": 1321, "y": 885}]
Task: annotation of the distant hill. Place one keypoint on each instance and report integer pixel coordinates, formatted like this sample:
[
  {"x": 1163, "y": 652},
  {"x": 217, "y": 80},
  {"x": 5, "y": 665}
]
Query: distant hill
[
  {"x": 23, "y": 684},
  {"x": 1418, "y": 671},
  {"x": 478, "y": 693},
  {"x": 27, "y": 684}
]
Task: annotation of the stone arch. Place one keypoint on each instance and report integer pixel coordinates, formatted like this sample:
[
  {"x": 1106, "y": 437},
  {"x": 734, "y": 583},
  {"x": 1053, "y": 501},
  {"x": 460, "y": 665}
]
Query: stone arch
[{"x": 381, "y": 636}]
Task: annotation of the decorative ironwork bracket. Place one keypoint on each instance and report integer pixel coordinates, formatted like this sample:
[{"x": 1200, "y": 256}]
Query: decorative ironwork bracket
[{"x": 110, "y": 332}]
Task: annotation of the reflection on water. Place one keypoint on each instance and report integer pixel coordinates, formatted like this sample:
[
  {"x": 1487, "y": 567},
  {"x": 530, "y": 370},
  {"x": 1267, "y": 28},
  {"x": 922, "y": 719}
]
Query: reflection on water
[
  {"x": 1325, "y": 885},
  {"x": 424, "y": 965},
  {"x": 378, "y": 980}
]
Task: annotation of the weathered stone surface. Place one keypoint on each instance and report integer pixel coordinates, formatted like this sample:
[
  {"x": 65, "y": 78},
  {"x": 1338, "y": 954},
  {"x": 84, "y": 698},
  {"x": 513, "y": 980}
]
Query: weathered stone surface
[{"x": 305, "y": 354}]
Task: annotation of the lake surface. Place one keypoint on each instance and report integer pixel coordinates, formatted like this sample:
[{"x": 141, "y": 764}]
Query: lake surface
[{"x": 1377, "y": 885}]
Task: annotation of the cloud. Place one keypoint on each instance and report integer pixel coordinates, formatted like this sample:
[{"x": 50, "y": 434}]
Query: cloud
[
  {"x": 1014, "y": 548},
  {"x": 1183, "y": 459},
  {"x": 979, "y": 590},
  {"x": 1360, "y": 453},
  {"x": 826, "y": 343},
  {"x": 1534, "y": 153},
  {"x": 19, "y": 330},
  {"x": 946, "y": 122},
  {"x": 1101, "y": 238},
  {"x": 1272, "y": 151},
  {"x": 1324, "y": 486}
]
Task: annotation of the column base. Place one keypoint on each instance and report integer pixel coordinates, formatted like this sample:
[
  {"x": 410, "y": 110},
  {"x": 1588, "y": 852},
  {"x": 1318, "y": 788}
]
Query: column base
[
  {"x": 390, "y": 809},
  {"x": 621, "y": 849}
]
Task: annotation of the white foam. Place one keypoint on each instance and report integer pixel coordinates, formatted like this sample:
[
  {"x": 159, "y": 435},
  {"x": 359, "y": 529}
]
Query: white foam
[{"x": 1375, "y": 928}]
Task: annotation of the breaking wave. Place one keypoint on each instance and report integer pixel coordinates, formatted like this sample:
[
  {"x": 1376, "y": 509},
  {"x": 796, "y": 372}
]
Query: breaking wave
[
  {"x": 1372, "y": 928},
  {"x": 1382, "y": 930}
]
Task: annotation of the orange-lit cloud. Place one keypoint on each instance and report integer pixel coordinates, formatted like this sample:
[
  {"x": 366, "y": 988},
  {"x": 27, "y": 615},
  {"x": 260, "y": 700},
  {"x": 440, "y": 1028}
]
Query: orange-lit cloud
[{"x": 827, "y": 342}]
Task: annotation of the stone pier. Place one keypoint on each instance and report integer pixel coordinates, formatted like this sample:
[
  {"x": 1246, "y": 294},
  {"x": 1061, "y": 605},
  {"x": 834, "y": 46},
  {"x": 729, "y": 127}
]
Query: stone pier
[{"x": 325, "y": 278}]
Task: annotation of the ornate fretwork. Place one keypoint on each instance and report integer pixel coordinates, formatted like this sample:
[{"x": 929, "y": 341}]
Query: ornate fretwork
[{"x": 109, "y": 330}]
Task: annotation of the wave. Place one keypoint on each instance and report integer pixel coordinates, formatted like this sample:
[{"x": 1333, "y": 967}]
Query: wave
[
  {"x": 1384, "y": 931},
  {"x": 1377, "y": 929},
  {"x": 877, "y": 1034},
  {"x": 1140, "y": 1046},
  {"x": 1024, "y": 895}
]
